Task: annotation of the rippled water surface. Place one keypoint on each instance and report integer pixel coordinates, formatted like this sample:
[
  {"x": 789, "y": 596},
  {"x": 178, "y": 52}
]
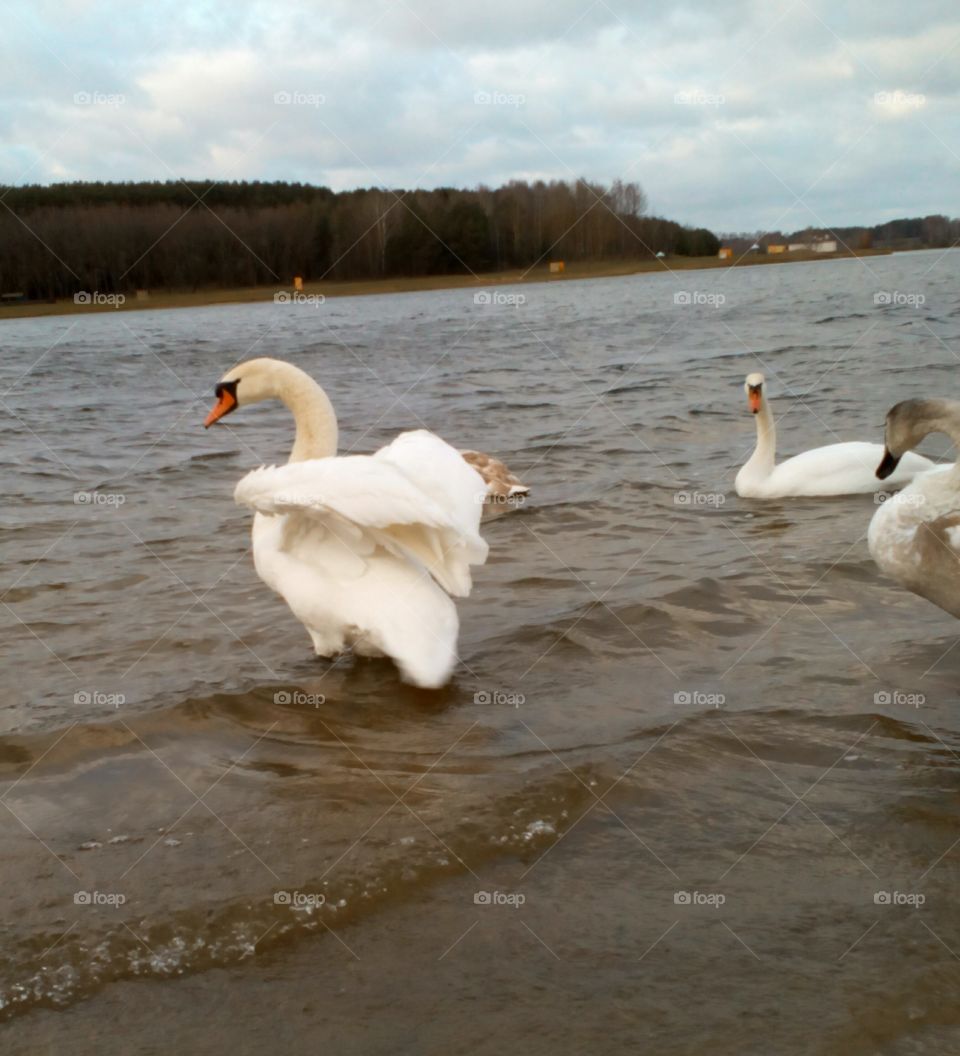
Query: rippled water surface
[{"x": 697, "y": 737}]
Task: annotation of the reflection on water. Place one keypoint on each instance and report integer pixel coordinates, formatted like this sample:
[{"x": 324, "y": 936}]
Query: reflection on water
[{"x": 663, "y": 688}]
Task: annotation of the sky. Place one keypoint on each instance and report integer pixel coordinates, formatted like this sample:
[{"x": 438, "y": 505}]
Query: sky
[{"x": 737, "y": 115}]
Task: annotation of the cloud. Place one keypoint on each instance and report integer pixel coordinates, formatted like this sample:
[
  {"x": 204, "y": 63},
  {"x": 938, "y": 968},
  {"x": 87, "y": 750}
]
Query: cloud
[{"x": 725, "y": 114}]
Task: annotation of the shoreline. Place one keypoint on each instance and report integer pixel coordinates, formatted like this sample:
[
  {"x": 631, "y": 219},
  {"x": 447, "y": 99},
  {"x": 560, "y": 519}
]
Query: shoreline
[{"x": 420, "y": 284}]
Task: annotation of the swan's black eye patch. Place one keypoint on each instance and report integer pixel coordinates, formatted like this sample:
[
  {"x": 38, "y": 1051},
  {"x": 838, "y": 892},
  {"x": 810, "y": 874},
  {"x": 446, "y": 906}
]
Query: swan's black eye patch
[
  {"x": 888, "y": 464},
  {"x": 226, "y": 386}
]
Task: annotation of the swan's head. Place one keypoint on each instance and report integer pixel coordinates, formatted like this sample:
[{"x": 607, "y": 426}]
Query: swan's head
[
  {"x": 753, "y": 387},
  {"x": 907, "y": 424},
  {"x": 249, "y": 382}
]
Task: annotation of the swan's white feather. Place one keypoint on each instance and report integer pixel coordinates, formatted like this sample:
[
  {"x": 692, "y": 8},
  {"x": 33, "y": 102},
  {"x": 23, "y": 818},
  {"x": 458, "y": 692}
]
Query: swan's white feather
[
  {"x": 836, "y": 469},
  {"x": 915, "y": 537},
  {"x": 366, "y": 548},
  {"x": 437, "y": 469}
]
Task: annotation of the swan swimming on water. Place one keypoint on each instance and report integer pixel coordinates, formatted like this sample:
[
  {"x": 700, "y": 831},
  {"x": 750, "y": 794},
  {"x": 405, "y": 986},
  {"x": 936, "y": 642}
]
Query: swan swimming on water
[
  {"x": 837, "y": 469},
  {"x": 365, "y": 549},
  {"x": 503, "y": 487}
]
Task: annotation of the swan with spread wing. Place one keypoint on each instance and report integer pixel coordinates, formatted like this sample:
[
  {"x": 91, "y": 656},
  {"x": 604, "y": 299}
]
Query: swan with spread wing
[{"x": 367, "y": 550}]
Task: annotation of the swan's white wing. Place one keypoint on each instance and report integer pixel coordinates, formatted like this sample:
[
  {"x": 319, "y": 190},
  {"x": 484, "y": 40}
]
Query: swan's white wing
[
  {"x": 439, "y": 470},
  {"x": 365, "y": 500},
  {"x": 915, "y": 538},
  {"x": 841, "y": 469},
  {"x": 356, "y": 487}
]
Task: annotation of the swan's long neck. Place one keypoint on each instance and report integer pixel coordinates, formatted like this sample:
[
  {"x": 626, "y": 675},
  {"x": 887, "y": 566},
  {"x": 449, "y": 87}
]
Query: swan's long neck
[
  {"x": 312, "y": 412},
  {"x": 764, "y": 456},
  {"x": 947, "y": 422},
  {"x": 943, "y": 416}
]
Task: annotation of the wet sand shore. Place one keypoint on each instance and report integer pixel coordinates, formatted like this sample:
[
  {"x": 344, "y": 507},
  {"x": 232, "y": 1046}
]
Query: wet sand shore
[{"x": 373, "y": 287}]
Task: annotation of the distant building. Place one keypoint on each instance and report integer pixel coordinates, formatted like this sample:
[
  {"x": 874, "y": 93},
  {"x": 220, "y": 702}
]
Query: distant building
[
  {"x": 776, "y": 248},
  {"x": 556, "y": 267},
  {"x": 826, "y": 245},
  {"x": 797, "y": 247},
  {"x": 755, "y": 248},
  {"x": 726, "y": 253}
]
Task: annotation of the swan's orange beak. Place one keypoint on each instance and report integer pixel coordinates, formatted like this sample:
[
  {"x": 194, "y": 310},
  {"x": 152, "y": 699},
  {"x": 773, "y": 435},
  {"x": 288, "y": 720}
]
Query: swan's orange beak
[
  {"x": 226, "y": 402},
  {"x": 753, "y": 397}
]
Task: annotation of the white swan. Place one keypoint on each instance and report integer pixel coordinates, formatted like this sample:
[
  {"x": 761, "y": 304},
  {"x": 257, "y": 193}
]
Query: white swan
[
  {"x": 365, "y": 549},
  {"x": 837, "y": 469},
  {"x": 915, "y": 536}
]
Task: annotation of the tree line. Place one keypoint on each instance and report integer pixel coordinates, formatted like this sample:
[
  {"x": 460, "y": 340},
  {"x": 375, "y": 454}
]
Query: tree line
[
  {"x": 118, "y": 237},
  {"x": 926, "y": 232}
]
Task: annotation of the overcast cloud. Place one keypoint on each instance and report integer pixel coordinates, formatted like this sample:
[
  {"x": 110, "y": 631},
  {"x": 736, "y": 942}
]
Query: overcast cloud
[{"x": 732, "y": 115}]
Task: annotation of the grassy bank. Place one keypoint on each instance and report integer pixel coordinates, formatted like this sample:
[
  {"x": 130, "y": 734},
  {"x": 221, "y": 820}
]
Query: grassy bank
[{"x": 573, "y": 273}]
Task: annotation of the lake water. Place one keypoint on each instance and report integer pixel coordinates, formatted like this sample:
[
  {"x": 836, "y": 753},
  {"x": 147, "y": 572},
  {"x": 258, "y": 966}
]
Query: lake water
[{"x": 693, "y": 788}]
